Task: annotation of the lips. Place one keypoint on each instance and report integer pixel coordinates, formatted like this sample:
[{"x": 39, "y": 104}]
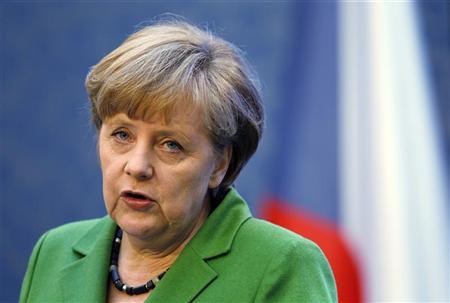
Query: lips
[{"x": 136, "y": 200}]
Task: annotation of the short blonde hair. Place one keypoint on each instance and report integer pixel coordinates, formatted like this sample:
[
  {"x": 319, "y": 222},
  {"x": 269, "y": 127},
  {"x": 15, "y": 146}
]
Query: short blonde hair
[{"x": 174, "y": 61}]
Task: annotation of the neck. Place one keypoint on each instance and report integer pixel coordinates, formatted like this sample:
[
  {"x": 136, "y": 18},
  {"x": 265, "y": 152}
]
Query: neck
[
  {"x": 148, "y": 256},
  {"x": 137, "y": 259}
]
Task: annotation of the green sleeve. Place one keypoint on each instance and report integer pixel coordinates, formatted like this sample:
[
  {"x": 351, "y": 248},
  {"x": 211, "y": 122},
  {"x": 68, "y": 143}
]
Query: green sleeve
[
  {"x": 298, "y": 273},
  {"x": 28, "y": 279}
]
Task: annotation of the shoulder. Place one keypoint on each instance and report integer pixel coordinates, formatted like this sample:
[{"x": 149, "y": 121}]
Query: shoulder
[
  {"x": 294, "y": 268},
  {"x": 282, "y": 249},
  {"x": 60, "y": 243},
  {"x": 262, "y": 228},
  {"x": 274, "y": 237},
  {"x": 74, "y": 227},
  {"x": 71, "y": 232},
  {"x": 276, "y": 247},
  {"x": 53, "y": 252},
  {"x": 268, "y": 263},
  {"x": 57, "y": 243}
]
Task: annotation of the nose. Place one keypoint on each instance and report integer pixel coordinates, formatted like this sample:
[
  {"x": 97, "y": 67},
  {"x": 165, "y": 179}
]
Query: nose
[{"x": 138, "y": 164}]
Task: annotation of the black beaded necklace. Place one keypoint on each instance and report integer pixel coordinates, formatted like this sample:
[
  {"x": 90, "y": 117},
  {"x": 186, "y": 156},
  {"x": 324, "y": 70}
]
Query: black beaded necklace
[{"x": 114, "y": 273}]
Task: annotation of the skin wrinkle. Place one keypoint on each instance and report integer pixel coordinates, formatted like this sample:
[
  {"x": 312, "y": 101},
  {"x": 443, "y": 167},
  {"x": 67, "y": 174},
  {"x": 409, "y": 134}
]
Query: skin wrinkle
[{"x": 194, "y": 179}]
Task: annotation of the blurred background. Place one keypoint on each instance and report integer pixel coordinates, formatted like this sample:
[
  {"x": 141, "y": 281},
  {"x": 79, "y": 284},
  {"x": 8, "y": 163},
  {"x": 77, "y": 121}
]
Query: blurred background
[{"x": 355, "y": 154}]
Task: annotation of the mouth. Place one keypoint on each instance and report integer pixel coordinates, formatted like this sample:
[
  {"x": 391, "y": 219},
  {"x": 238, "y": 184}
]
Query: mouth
[
  {"x": 136, "y": 200},
  {"x": 135, "y": 195}
]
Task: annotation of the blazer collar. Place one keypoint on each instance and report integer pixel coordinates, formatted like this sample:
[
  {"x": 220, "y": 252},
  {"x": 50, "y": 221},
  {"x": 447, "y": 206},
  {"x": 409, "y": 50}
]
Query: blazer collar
[
  {"x": 217, "y": 234},
  {"x": 190, "y": 273},
  {"x": 85, "y": 279}
]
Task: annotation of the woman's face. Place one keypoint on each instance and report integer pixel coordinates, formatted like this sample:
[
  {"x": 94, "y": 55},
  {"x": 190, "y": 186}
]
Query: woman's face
[{"x": 156, "y": 174}]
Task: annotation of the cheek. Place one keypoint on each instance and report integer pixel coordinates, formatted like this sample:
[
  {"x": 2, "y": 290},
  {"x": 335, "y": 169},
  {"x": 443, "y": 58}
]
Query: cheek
[
  {"x": 108, "y": 193},
  {"x": 189, "y": 186},
  {"x": 103, "y": 154},
  {"x": 109, "y": 162},
  {"x": 109, "y": 176}
]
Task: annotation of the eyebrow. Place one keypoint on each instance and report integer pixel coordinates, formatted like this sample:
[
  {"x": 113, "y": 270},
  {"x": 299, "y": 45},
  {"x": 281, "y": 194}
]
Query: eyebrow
[
  {"x": 171, "y": 133},
  {"x": 124, "y": 120},
  {"x": 121, "y": 122},
  {"x": 159, "y": 132}
]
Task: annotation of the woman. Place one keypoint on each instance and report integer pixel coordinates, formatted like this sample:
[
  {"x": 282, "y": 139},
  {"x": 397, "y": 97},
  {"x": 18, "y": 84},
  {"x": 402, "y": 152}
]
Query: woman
[{"x": 178, "y": 116}]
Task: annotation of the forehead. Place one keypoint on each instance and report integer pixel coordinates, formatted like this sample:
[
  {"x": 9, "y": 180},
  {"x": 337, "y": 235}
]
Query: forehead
[{"x": 182, "y": 116}]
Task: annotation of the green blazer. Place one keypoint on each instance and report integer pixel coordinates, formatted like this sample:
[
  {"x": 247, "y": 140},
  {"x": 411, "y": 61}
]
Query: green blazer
[{"x": 233, "y": 258}]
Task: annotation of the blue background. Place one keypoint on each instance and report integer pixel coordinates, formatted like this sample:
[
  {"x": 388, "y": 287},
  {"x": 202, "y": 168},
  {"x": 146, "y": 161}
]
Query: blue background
[{"x": 49, "y": 173}]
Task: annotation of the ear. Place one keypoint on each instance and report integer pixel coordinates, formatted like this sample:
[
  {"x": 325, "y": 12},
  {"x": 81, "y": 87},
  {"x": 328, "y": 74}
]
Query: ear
[{"x": 221, "y": 167}]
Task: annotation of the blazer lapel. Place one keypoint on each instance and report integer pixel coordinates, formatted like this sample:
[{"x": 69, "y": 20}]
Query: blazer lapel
[
  {"x": 184, "y": 280},
  {"x": 191, "y": 273},
  {"x": 85, "y": 279}
]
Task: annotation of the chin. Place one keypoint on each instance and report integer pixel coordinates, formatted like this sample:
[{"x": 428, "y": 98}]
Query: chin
[{"x": 137, "y": 227}]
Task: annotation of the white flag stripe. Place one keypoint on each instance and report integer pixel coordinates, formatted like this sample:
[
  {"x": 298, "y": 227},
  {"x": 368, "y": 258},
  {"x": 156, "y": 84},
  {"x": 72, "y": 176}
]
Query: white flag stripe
[{"x": 392, "y": 174}]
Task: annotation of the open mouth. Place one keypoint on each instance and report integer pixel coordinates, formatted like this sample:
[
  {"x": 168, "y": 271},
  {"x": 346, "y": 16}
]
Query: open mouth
[
  {"x": 136, "y": 200},
  {"x": 135, "y": 196}
]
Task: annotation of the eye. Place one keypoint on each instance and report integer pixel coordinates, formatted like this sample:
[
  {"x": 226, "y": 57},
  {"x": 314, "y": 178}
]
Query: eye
[
  {"x": 173, "y": 146},
  {"x": 121, "y": 135}
]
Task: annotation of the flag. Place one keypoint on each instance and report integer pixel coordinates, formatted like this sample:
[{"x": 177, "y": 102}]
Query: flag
[{"x": 387, "y": 234}]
